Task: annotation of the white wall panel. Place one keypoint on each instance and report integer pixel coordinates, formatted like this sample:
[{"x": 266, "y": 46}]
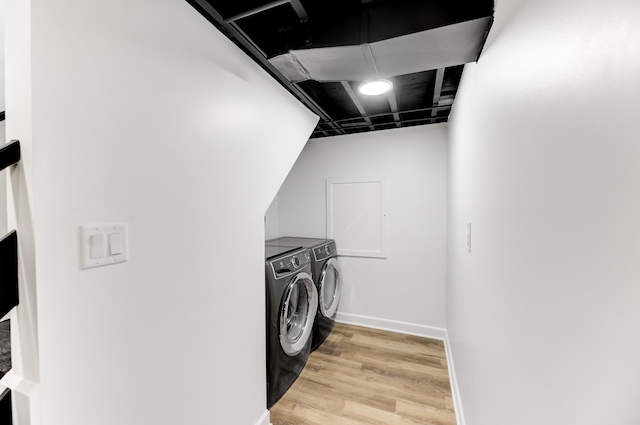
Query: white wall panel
[{"x": 357, "y": 216}]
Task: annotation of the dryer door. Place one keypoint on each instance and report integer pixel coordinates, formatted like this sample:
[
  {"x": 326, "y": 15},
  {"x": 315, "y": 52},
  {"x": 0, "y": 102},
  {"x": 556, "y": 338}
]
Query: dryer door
[
  {"x": 297, "y": 312},
  {"x": 330, "y": 288}
]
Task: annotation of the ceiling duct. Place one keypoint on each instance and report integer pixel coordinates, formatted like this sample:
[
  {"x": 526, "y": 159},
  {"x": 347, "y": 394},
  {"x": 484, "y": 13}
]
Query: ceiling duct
[
  {"x": 382, "y": 40},
  {"x": 442, "y": 47},
  {"x": 321, "y": 50}
]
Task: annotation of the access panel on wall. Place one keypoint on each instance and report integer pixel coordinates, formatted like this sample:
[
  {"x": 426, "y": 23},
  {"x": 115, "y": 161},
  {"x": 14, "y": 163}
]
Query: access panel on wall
[{"x": 357, "y": 216}]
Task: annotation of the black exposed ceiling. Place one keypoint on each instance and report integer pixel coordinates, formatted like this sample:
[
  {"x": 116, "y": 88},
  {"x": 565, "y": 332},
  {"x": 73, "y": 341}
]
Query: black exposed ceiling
[{"x": 322, "y": 50}]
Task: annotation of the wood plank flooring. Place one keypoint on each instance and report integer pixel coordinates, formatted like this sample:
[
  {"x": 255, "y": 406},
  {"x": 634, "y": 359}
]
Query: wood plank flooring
[{"x": 366, "y": 376}]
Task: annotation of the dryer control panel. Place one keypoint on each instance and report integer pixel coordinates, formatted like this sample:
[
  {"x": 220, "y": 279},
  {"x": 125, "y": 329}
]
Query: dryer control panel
[
  {"x": 325, "y": 251},
  {"x": 291, "y": 263}
]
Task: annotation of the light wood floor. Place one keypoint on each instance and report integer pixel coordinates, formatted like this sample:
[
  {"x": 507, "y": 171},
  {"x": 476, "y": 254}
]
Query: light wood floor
[{"x": 366, "y": 376}]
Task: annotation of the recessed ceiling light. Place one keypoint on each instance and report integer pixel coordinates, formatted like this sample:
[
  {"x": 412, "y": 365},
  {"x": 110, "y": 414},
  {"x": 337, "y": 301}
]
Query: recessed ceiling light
[{"x": 372, "y": 88}]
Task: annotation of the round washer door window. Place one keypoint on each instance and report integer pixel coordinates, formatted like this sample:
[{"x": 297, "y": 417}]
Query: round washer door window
[
  {"x": 330, "y": 287},
  {"x": 297, "y": 312}
]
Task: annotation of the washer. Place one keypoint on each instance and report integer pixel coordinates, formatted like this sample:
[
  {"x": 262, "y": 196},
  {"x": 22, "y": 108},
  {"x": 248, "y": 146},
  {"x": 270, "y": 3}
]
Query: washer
[
  {"x": 327, "y": 276},
  {"x": 292, "y": 301}
]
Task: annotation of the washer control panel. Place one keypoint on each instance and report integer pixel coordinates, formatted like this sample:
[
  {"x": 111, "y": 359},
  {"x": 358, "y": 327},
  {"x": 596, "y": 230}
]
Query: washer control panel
[
  {"x": 325, "y": 251},
  {"x": 290, "y": 263}
]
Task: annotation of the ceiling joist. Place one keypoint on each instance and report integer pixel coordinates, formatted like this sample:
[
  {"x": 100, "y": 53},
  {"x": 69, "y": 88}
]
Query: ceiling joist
[
  {"x": 356, "y": 102},
  {"x": 437, "y": 90},
  {"x": 300, "y": 10},
  {"x": 256, "y": 10},
  {"x": 393, "y": 104}
]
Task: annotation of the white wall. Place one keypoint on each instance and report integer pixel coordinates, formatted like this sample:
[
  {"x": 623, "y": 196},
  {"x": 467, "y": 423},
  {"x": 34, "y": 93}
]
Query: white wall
[
  {"x": 2, "y": 55},
  {"x": 143, "y": 112},
  {"x": 271, "y": 229},
  {"x": 408, "y": 286},
  {"x": 545, "y": 162},
  {"x": 3, "y": 188},
  {"x": 3, "y": 180},
  {"x": 25, "y": 368}
]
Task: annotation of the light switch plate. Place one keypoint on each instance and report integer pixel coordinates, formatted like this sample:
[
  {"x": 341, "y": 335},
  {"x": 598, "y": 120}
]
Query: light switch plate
[
  {"x": 96, "y": 246},
  {"x": 106, "y": 230}
]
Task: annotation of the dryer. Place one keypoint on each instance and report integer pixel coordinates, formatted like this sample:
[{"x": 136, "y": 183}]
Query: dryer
[
  {"x": 291, "y": 304},
  {"x": 327, "y": 277}
]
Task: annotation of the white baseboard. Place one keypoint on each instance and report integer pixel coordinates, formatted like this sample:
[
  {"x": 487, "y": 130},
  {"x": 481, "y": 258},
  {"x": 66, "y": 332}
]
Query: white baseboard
[
  {"x": 392, "y": 325},
  {"x": 265, "y": 419},
  {"x": 455, "y": 390}
]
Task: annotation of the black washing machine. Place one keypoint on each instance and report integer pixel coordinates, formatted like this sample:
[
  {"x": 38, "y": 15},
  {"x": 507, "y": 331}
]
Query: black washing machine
[
  {"x": 292, "y": 301},
  {"x": 327, "y": 276}
]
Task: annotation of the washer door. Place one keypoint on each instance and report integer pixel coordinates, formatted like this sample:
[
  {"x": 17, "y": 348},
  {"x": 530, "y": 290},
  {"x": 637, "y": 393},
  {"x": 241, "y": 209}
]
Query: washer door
[
  {"x": 330, "y": 287},
  {"x": 297, "y": 312}
]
